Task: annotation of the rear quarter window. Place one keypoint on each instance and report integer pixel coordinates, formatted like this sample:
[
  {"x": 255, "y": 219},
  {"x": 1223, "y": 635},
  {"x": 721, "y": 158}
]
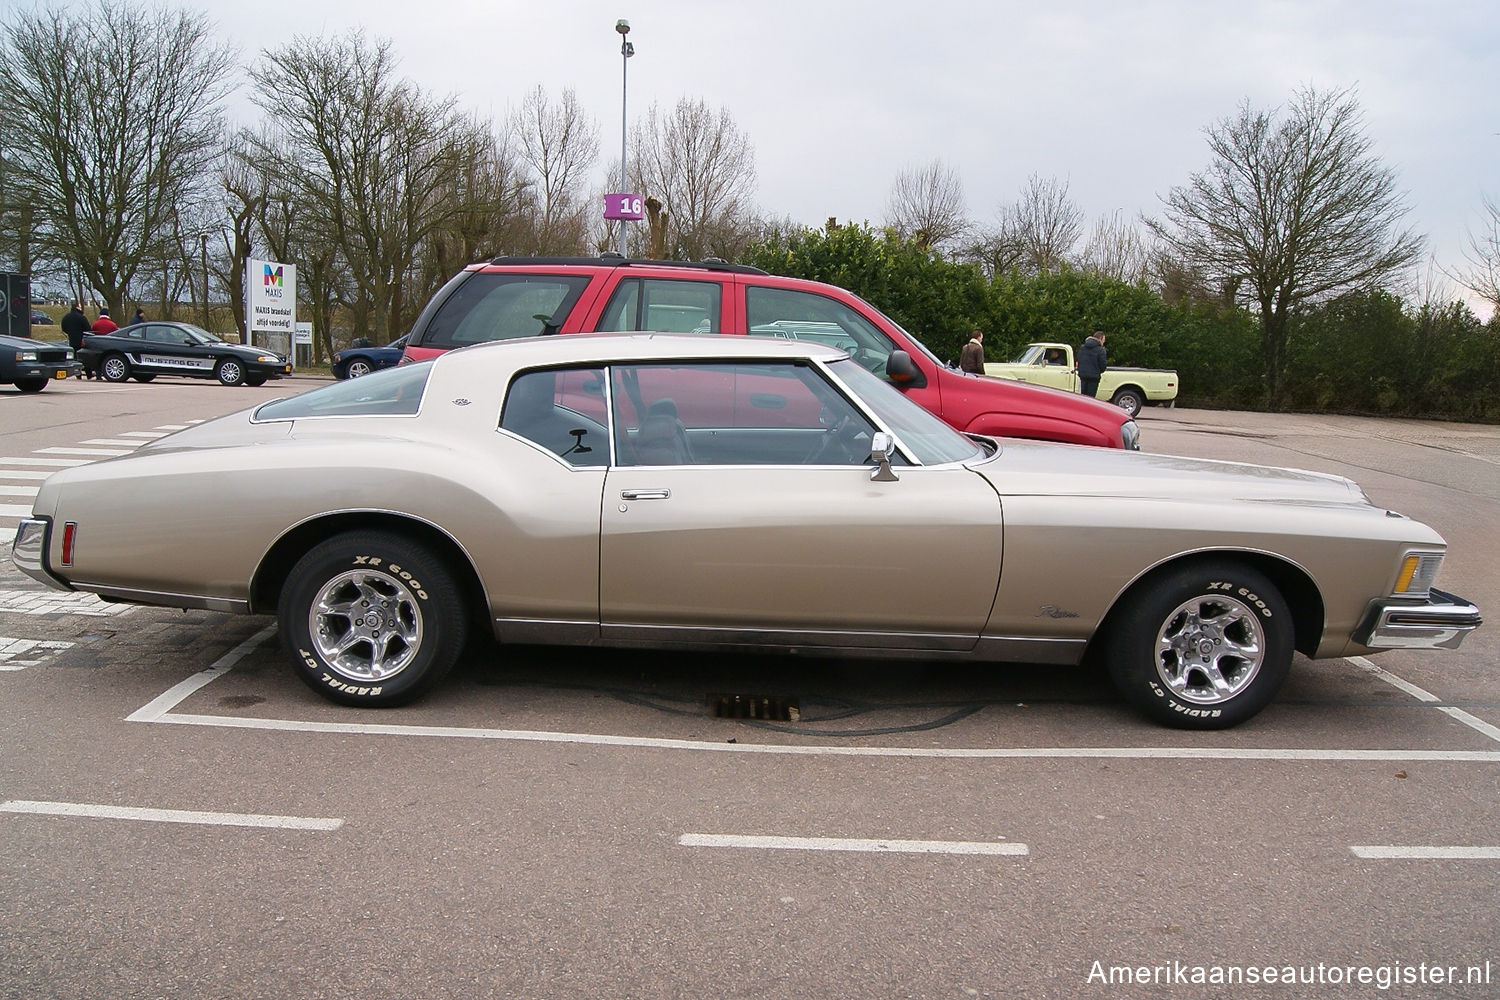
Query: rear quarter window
[{"x": 394, "y": 391}]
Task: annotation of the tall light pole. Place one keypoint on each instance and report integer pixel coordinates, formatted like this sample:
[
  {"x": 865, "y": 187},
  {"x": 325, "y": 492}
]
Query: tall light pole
[{"x": 627, "y": 49}]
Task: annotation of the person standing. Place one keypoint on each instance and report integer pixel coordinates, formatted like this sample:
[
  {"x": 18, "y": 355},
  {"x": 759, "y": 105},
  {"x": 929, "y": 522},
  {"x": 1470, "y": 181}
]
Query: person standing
[
  {"x": 1092, "y": 363},
  {"x": 140, "y": 317},
  {"x": 971, "y": 358},
  {"x": 74, "y": 325}
]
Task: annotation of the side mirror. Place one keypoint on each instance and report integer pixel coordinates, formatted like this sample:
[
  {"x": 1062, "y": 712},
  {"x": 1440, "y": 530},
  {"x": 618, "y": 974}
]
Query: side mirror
[
  {"x": 880, "y": 450},
  {"x": 903, "y": 371}
]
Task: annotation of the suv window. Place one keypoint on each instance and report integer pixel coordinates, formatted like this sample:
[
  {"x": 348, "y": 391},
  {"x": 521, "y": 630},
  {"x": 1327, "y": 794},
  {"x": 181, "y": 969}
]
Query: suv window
[
  {"x": 503, "y": 307},
  {"x": 663, "y": 306},
  {"x": 794, "y": 315}
]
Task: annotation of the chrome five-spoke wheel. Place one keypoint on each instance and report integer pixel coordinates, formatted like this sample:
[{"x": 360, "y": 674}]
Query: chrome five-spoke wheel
[
  {"x": 366, "y": 625},
  {"x": 1210, "y": 649}
]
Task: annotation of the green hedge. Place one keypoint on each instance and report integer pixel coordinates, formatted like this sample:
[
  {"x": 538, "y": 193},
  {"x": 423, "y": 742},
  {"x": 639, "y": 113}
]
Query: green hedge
[{"x": 1363, "y": 353}]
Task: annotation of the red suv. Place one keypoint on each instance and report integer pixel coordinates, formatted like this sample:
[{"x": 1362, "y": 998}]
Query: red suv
[{"x": 527, "y": 296}]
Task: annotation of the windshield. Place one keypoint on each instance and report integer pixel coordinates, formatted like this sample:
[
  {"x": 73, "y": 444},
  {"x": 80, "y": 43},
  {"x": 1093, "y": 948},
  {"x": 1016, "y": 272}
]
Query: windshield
[
  {"x": 923, "y": 436},
  {"x": 198, "y": 335}
]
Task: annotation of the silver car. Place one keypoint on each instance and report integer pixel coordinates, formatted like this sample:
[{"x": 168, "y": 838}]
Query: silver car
[{"x": 731, "y": 493}]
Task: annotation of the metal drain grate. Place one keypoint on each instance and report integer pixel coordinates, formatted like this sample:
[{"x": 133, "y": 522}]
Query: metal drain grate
[{"x": 769, "y": 708}]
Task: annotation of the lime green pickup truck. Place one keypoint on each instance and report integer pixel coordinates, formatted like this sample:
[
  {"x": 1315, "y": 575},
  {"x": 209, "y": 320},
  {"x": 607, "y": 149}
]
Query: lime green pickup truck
[{"x": 1128, "y": 388}]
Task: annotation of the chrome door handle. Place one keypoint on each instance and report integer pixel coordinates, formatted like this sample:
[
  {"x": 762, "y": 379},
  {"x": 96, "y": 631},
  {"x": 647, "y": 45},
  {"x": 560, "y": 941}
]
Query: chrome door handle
[{"x": 645, "y": 494}]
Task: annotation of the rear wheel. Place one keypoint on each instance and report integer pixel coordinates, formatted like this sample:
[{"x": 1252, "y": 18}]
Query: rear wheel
[
  {"x": 114, "y": 368},
  {"x": 1129, "y": 400},
  {"x": 255, "y": 380},
  {"x": 230, "y": 372},
  {"x": 1203, "y": 646},
  {"x": 371, "y": 619}
]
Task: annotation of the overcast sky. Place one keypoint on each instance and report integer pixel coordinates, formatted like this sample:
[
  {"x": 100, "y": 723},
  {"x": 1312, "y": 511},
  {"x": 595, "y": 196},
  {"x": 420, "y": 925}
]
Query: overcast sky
[{"x": 838, "y": 97}]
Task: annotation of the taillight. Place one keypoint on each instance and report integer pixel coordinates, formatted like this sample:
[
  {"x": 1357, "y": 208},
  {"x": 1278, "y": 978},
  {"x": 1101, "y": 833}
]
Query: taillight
[{"x": 70, "y": 531}]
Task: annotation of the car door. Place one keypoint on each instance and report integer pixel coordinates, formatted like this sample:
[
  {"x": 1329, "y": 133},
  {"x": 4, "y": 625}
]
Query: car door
[
  {"x": 168, "y": 348},
  {"x": 740, "y": 508}
]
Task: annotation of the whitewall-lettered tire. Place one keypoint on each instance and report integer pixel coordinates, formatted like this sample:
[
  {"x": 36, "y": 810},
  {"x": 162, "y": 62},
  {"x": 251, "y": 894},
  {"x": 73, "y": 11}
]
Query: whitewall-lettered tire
[
  {"x": 371, "y": 619},
  {"x": 1203, "y": 646}
]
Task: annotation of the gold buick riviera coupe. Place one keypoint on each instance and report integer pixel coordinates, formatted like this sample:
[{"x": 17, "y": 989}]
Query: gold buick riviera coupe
[{"x": 711, "y": 493}]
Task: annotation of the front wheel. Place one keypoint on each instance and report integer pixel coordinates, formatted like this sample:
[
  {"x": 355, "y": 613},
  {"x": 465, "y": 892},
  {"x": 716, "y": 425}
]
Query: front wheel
[
  {"x": 1129, "y": 400},
  {"x": 230, "y": 372},
  {"x": 1203, "y": 646},
  {"x": 371, "y": 619},
  {"x": 358, "y": 368},
  {"x": 31, "y": 384}
]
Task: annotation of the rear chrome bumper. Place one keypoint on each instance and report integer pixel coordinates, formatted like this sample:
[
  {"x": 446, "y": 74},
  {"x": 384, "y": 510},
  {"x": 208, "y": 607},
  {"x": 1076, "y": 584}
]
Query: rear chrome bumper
[
  {"x": 29, "y": 552},
  {"x": 1442, "y": 622}
]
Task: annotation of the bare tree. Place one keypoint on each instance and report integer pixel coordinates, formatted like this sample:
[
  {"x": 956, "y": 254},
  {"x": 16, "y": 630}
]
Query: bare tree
[
  {"x": 1116, "y": 249},
  {"x": 1292, "y": 209},
  {"x": 1033, "y": 235},
  {"x": 119, "y": 105},
  {"x": 701, "y": 168},
  {"x": 366, "y": 154},
  {"x": 1046, "y": 223},
  {"x": 1483, "y": 257},
  {"x": 493, "y": 204},
  {"x": 558, "y": 144},
  {"x": 927, "y": 206}
]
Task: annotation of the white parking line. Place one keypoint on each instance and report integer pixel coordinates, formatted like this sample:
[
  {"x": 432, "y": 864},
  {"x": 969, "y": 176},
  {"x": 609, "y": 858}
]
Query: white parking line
[
  {"x": 56, "y": 602},
  {"x": 19, "y": 491},
  {"x": 1393, "y": 853},
  {"x": 112, "y": 441},
  {"x": 151, "y": 435},
  {"x": 30, "y": 475},
  {"x": 159, "y": 710},
  {"x": 843, "y": 844},
  {"x": 56, "y": 463},
  {"x": 90, "y": 811},
  {"x": 96, "y": 452},
  {"x": 14, "y": 510},
  {"x": 1457, "y": 714}
]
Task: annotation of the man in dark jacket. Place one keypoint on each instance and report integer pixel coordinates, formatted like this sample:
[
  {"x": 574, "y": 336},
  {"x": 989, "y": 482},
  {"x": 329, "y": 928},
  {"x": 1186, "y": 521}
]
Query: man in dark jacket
[
  {"x": 1092, "y": 360},
  {"x": 74, "y": 325}
]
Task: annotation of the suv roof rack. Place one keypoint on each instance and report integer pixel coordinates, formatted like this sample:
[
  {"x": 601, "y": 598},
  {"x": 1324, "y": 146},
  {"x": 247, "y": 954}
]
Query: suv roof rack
[{"x": 615, "y": 260}]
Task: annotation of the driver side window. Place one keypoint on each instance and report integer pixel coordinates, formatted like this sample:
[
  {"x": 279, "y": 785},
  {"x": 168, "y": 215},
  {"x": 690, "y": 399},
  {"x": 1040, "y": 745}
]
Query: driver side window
[
  {"x": 742, "y": 413},
  {"x": 797, "y": 315}
]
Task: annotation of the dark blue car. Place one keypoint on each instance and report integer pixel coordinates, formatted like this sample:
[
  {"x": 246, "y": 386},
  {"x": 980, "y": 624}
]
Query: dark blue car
[{"x": 352, "y": 362}]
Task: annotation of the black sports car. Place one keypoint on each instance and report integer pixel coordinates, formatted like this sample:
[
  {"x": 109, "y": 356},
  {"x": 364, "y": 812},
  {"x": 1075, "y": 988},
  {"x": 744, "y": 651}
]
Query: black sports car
[
  {"x": 143, "y": 351},
  {"x": 31, "y": 364}
]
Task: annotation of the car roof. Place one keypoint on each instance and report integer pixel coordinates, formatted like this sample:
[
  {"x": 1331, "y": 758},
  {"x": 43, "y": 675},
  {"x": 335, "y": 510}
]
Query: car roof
[
  {"x": 607, "y": 348},
  {"x": 616, "y": 261}
]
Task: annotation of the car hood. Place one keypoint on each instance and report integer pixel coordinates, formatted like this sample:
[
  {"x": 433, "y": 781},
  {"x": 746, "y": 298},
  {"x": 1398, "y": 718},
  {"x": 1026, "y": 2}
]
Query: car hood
[{"x": 1032, "y": 468}]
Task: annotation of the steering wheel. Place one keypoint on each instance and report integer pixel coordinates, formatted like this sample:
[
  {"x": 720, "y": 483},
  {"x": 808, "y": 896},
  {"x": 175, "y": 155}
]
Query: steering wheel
[{"x": 836, "y": 446}]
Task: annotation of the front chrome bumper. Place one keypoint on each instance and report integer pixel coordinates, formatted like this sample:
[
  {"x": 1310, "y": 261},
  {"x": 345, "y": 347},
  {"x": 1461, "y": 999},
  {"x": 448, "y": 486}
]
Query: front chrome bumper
[
  {"x": 1442, "y": 622},
  {"x": 29, "y": 552}
]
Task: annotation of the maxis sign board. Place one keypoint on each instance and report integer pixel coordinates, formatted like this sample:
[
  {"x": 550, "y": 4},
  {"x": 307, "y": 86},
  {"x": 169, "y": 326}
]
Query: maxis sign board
[{"x": 271, "y": 295}]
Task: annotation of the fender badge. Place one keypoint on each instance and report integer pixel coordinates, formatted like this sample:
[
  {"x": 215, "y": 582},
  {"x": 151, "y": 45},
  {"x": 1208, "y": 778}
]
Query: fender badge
[
  {"x": 1053, "y": 611},
  {"x": 460, "y": 401}
]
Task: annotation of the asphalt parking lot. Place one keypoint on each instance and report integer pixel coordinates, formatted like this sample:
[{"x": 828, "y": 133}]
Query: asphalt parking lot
[{"x": 181, "y": 817}]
